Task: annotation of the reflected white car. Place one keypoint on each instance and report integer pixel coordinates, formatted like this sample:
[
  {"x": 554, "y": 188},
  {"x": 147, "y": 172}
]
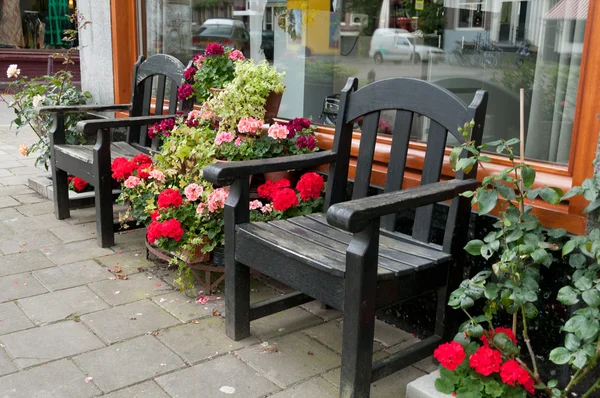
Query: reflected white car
[{"x": 400, "y": 45}]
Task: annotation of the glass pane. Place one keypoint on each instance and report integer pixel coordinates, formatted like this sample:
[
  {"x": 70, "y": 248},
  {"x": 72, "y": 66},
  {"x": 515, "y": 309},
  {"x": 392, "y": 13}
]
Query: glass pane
[{"x": 464, "y": 45}]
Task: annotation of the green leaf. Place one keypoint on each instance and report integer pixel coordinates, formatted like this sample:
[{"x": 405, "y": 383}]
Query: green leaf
[
  {"x": 577, "y": 260},
  {"x": 531, "y": 310},
  {"x": 569, "y": 247},
  {"x": 583, "y": 283},
  {"x": 572, "y": 192},
  {"x": 560, "y": 355},
  {"x": 491, "y": 291},
  {"x": 474, "y": 247},
  {"x": 567, "y": 295},
  {"x": 583, "y": 327},
  {"x": 552, "y": 383},
  {"x": 572, "y": 342},
  {"x": 454, "y": 155},
  {"x": 467, "y": 194},
  {"x": 557, "y": 232},
  {"x": 493, "y": 388},
  {"x": 512, "y": 141},
  {"x": 592, "y": 206},
  {"x": 487, "y": 201},
  {"x": 481, "y": 276},
  {"x": 461, "y": 339},
  {"x": 551, "y": 195},
  {"x": 580, "y": 359},
  {"x": 465, "y": 164},
  {"x": 528, "y": 176},
  {"x": 539, "y": 256},
  {"x": 505, "y": 343},
  {"x": 444, "y": 385},
  {"x": 591, "y": 297}
]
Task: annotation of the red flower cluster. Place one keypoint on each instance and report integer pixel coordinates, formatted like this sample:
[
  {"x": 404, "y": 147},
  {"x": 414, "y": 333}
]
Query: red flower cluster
[
  {"x": 450, "y": 355},
  {"x": 214, "y": 49},
  {"x": 77, "y": 183},
  {"x": 512, "y": 373},
  {"x": 169, "y": 197},
  {"x": 185, "y": 91},
  {"x": 507, "y": 331},
  {"x": 163, "y": 127},
  {"x": 310, "y": 186},
  {"x": 306, "y": 142},
  {"x": 189, "y": 73},
  {"x": 269, "y": 188},
  {"x": 486, "y": 361},
  {"x": 166, "y": 229},
  {"x": 123, "y": 168},
  {"x": 284, "y": 198},
  {"x": 297, "y": 124}
]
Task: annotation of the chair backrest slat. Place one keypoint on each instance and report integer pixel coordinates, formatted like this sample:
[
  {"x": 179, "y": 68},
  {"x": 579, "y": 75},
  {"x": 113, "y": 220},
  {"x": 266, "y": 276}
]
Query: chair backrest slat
[
  {"x": 432, "y": 169},
  {"x": 407, "y": 97},
  {"x": 366, "y": 151},
  {"x": 397, "y": 162}
]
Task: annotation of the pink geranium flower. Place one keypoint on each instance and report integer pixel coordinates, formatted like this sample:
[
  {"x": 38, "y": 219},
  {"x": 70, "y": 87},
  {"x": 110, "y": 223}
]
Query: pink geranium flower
[
  {"x": 238, "y": 141},
  {"x": 216, "y": 200},
  {"x": 132, "y": 182},
  {"x": 157, "y": 175},
  {"x": 201, "y": 209},
  {"x": 224, "y": 136},
  {"x": 193, "y": 191},
  {"x": 255, "y": 204},
  {"x": 278, "y": 131},
  {"x": 249, "y": 125},
  {"x": 266, "y": 209},
  {"x": 236, "y": 55}
]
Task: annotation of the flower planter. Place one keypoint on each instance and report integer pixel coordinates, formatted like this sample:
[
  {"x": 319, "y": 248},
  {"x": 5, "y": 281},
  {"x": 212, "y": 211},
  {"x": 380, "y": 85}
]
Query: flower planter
[
  {"x": 275, "y": 176},
  {"x": 272, "y": 106}
]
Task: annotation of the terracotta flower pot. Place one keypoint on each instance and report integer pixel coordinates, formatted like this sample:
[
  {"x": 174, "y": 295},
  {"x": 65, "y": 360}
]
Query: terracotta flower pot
[
  {"x": 195, "y": 255},
  {"x": 272, "y": 106},
  {"x": 278, "y": 175}
]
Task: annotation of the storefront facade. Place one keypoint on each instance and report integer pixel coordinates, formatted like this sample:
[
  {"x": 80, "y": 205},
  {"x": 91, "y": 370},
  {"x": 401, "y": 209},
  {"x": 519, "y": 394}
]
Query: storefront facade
[{"x": 547, "y": 47}]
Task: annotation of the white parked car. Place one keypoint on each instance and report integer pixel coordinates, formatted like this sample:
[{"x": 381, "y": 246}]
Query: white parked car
[{"x": 401, "y": 45}]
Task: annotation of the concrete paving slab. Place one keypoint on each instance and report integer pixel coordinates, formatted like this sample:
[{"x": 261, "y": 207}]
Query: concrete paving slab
[
  {"x": 147, "y": 389},
  {"x": 393, "y": 385},
  {"x": 36, "y": 209},
  {"x": 17, "y": 242},
  {"x": 196, "y": 342},
  {"x": 62, "y": 304},
  {"x": 75, "y": 251},
  {"x": 5, "y": 173},
  {"x": 137, "y": 287},
  {"x": 130, "y": 241},
  {"x": 12, "y": 319},
  {"x": 53, "y": 380},
  {"x": 6, "y": 365},
  {"x": 130, "y": 320},
  {"x": 282, "y": 323},
  {"x": 316, "y": 308},
  {"x": 7, "y": 201},
  {"x": 296, "y": 357},
  {"x": 23, "y": 262},
  {"x": 128, "y": 363},
  {"x": 316, "y": 387},
  {"x": 47, "y": 343},
  {"x": 19, "y": 286},
  {"x": 330, "y": 335},
  {"x": 30, "y": 224},
  {"x": 217, "y": 378},
  {"x": 26, "y": 171},
  {"x": 71, "y": 275},
  {"x": 73, "y": 233},
  {"x": 30, "y": 198},
  {"x": 128, "y": 261},
  {"x": 427, "y": 365},
  {"x": 14, "y": 189}
]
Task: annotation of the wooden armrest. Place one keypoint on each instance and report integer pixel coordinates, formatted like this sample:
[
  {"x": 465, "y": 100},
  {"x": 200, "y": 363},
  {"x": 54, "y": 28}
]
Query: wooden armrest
[
  {"x": 83, "y": 108},
  {"x": 91, "y": 127},
  {"x": 354, "y": 215},
  {"x": 225, "y": 173}
]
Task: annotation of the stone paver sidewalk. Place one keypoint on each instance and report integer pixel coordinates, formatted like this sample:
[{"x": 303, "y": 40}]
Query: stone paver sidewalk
[{"x": 70, "y": 328}]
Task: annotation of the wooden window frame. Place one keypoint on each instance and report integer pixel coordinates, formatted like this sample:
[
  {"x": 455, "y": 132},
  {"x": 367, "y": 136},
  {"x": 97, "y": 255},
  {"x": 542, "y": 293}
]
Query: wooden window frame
[{"x": 584, "y": 141}]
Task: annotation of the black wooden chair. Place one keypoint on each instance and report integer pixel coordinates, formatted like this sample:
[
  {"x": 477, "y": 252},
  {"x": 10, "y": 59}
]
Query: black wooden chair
[
  {"x": 350, "y": 257},
  {"x": 92, "y": 162}
]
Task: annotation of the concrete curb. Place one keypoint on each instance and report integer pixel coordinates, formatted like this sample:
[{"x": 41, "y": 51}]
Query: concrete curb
[{"x": 424, "y": 387}]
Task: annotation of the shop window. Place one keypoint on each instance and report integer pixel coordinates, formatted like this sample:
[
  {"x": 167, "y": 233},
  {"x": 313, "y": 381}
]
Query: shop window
[{"x": 470, "y": 14}]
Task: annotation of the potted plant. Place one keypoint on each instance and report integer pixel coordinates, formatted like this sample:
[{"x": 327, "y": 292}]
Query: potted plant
[
  {"x": 492, "y": 355},
  {"x": 209, "y": 72}
]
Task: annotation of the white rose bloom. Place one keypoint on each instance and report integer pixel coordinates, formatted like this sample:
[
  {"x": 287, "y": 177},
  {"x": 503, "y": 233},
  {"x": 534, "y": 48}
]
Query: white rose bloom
[
  {"x": 37, "y": 99},
  {"x": 12, "y": 71}
]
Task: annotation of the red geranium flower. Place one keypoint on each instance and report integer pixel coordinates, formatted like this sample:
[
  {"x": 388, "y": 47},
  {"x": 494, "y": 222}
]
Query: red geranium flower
[
  {"x": 154, "y": 232},
  {"x": 154, "y": 215},
  {"x": 486, "y": 361},
  {"x": 169, "y": 197},
  {"x": 172, "y": 229},
  {"x": 310, "y": 186},
  {"x": 185, "y": 91},
  {"x": 512, "y": 373},
  {"x": 214, "y": 49},
  {"x": 450, "y": 355},
  {"x": 266, "y": 190},
  {"x": 79, "y": 184},
  {"x": 144, "y": 170},
  {"x": 284, "y": 198},
  {"x": 189, "y": 73},
  {"x": 122, "y": 169}
]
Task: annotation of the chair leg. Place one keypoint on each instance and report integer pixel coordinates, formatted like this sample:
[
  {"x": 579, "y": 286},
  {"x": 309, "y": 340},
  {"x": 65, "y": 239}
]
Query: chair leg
[
  {"x": 359, "y": 313},
  {"x": 61, "y": 193},
  {"x": 105, "y": 233},
  {"x": 237, "y": 300}
]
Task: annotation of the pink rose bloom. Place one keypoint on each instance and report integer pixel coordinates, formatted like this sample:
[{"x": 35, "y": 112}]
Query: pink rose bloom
[
  {"x": 157, "y": 175},
  {"x": 255, "y": 204},
  {"x": 216, "y": 200},
  {"x": 266, "y": 209},
  {"x": 236, "y": 55},
  {"x": 23, "y": 150},
  {"x": 193, "y": 191},
  {"x": 249, "y": 125},
  {"x": 201, "y": 208},
  {"x": 132, "y": 182},
  {"x": 224, "y": 136},
  {"x": 278, "y": 131},
  {"x": 238, "y": 141}
]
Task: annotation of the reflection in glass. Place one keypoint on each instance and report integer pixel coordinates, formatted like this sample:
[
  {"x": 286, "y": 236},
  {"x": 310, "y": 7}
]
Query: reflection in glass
[{"x": 464, "y": 45}]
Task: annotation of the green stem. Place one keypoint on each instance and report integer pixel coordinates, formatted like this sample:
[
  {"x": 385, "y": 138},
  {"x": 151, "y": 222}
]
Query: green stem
[
  {"x": 592, "y": 389},
  {"x": 528, "y": 343},
  {"x": 572, "y": 382}
]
